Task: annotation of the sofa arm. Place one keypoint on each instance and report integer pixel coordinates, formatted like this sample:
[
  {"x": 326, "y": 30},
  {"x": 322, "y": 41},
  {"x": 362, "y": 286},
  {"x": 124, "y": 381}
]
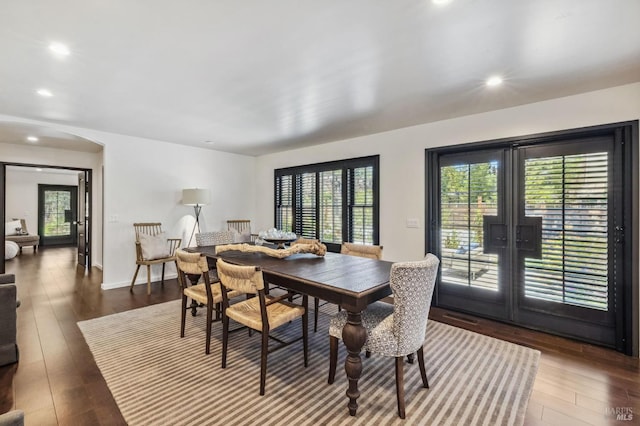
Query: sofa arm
[
  {"x": 7, "y": 278},
  {"x": 8, "y": 306},
  {"x": 12, "y": 418}
]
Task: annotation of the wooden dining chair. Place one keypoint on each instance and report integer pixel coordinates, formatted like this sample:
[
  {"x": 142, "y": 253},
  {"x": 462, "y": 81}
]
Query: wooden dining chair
[
  {"x": 193, "y": 267},
  {"x": 243, "y": 229},
  {"x": 396, "y": 330},
  {"x": 362, "y": 250},
  {"x": 153, "y": 248},
  {"x": 262, "y": 313}
]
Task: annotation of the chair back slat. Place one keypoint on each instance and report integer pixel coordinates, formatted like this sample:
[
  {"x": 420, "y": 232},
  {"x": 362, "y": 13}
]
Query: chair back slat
[
  {"x": 246, "y": 279},
  {"x": 362, "y": 250},
  {"x": 412, "y": 284},
  {"x": 239, "y": 225},
  {"x": 191, "y": 263},
  {"x": 150, "y": 228}
]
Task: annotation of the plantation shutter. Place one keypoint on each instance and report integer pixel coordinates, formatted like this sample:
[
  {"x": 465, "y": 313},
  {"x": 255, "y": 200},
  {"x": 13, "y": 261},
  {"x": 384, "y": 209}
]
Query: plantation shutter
[
  {"x": 570, "y": 192},
  {"x": 284, "y": 202},
  {"x": 306, "y": 202}
]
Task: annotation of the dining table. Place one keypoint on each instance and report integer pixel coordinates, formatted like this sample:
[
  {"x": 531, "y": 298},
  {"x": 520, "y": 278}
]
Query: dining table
[{"x": 348, "y": 281}]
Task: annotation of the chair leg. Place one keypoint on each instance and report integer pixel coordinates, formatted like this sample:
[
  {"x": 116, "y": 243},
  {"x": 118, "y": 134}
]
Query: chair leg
[
  {"x": 184, "y": 314},
  {"x": 263, "y": 360},
  {"x": 410, "y": 358},
  {"x": 162, "y": 278},
  {"x": 225, "y": 338},
  {"x": 333, "y": 358},
  {"x": 148, "y": 280},
  {"x": 423, "y": 371},
  {"x": 305, "y": 326},
  {"x": 400, "y": 385},
  {"x": 367, "y": 353},
  {"x": 179, "y": 277},
  {"x": 209, "y": 320},
  {"x": 133, "y": 281},
  {"x": 316, "y": 307}
]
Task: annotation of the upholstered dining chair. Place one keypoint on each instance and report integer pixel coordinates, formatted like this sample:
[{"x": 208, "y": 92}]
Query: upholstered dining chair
[
  {"x": 262, "y": 313},
  {"x": 153, "y": 248},
  {"x": 214, "y": 238},
  {"x": 396, "y": 330},
  {"x": 191, "y": 267}
]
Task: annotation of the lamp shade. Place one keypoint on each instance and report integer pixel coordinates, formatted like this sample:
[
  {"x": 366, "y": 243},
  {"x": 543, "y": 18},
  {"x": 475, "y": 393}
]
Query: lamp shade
[{"x": 195, "y": 197}]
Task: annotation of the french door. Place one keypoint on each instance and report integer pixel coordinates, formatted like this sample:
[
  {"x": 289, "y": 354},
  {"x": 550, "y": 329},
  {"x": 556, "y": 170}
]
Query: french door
[
  {"x": 57, "y": 214},
  {"x": 533, "y": 234}
]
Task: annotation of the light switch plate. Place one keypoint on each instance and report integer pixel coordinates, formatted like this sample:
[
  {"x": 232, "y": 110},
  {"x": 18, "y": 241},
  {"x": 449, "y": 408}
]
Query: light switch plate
[{"x": 413, "y": 223}]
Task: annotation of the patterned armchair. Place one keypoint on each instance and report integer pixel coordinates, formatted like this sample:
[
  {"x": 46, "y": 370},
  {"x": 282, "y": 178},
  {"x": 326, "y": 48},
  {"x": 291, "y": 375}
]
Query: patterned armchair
[{"x": 396, "y": 330}]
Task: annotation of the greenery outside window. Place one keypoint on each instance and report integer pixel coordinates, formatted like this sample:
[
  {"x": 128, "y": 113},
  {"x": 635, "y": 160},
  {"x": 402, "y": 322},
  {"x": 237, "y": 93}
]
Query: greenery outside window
[{"x": 334, "y": 202}]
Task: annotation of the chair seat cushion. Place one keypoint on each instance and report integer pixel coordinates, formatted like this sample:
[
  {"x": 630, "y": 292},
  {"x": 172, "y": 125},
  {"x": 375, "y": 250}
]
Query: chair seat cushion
[
  {"x": 377, "y": 319},
  {"x": 247, "y": 312},
  {"x": 199, "y": 293}
]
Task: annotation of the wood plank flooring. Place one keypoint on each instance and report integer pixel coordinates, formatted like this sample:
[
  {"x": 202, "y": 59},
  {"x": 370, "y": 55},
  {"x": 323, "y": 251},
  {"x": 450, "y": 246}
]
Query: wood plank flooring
[{"x": 57, "y": 382}]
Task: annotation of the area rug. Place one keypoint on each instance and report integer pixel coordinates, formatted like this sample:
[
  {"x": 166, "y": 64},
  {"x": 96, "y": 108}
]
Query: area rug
[{"x": 157, "y": 378}]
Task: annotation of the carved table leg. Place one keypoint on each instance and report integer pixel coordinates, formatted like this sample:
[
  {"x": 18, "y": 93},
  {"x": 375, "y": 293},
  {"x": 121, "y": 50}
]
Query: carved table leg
[{"x": 353, "y": 335}]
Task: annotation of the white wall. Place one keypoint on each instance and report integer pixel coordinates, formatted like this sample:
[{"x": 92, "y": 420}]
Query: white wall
[
  {"x": 22, "y": 192},
  {"x": 143, "y": 182},
  {"x": 402, "y": 155}
]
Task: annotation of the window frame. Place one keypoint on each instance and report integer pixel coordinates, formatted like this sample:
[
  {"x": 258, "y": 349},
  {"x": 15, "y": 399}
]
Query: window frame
[{"x": 346, "y": 166}]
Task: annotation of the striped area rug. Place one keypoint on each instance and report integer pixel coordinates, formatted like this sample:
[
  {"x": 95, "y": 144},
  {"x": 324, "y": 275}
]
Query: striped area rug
[{"x": 157, "y": 378}]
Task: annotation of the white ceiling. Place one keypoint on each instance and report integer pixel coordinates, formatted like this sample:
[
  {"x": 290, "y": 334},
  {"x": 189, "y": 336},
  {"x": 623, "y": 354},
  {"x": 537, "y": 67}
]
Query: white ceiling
[{"x": 262, "y": 76}]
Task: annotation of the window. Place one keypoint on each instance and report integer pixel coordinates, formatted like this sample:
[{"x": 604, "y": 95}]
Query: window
[{"x": 333, "y": 202}]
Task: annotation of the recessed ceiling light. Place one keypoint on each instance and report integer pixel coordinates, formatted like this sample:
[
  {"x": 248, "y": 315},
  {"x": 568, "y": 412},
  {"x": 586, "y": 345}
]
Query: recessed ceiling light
[
  {"x": 45, "y": 93},
  {"x": 32, "y": 139},
  {"x": 440, "y": 1},
  {"x": 38, "y": 170},
  {"x": 59, "y": 49},
  {"x": 494, "y": 81}
]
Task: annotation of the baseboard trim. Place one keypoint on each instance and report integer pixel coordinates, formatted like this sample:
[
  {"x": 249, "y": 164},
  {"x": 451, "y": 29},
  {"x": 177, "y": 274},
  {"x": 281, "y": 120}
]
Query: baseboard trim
[{"x": 143, "y": 280}]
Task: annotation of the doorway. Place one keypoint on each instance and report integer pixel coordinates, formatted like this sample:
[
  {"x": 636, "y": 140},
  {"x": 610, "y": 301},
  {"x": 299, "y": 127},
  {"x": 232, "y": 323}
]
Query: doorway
[
  {"x": 534, "y": 233},
  {"x": 57, "y": 214},
  {"x": 60, "y": 213}
]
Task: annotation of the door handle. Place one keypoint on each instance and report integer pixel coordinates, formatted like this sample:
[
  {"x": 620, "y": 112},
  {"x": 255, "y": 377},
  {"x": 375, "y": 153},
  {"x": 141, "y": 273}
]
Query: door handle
[{"x": 529, "y": 236}]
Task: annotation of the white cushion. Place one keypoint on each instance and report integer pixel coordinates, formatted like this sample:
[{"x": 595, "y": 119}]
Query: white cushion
[
  {"x": 11, "y": 250},
  {"x": 11, "y": 228},
  {"x": 243, "y": 237},
  {"x": 154, "y": 247}
]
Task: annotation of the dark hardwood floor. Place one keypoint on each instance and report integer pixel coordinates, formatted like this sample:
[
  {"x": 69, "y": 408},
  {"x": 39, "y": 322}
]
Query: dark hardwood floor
[{"x": 57, "y": 381}]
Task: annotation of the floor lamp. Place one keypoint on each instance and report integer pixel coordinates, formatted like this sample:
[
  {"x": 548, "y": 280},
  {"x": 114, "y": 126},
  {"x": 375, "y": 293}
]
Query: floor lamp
[{"x": 197, "y": 198}]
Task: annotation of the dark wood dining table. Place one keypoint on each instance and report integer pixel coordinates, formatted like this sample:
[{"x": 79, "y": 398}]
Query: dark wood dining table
[{"x": 349, "y": 281}]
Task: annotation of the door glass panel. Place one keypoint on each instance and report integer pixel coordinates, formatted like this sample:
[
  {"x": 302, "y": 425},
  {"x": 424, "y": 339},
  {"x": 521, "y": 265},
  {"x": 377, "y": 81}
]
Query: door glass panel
[
  {"x": 331, "y": 206},
  {"x": 570, "y": 192},
  {"x": 55, "y": 205},
  {"x": 362, "y": 208},
  {"x": 467, "y": 193}
]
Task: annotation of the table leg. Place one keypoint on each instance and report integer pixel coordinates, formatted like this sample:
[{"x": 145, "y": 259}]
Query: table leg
[{"x": 353, "y": 335}]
